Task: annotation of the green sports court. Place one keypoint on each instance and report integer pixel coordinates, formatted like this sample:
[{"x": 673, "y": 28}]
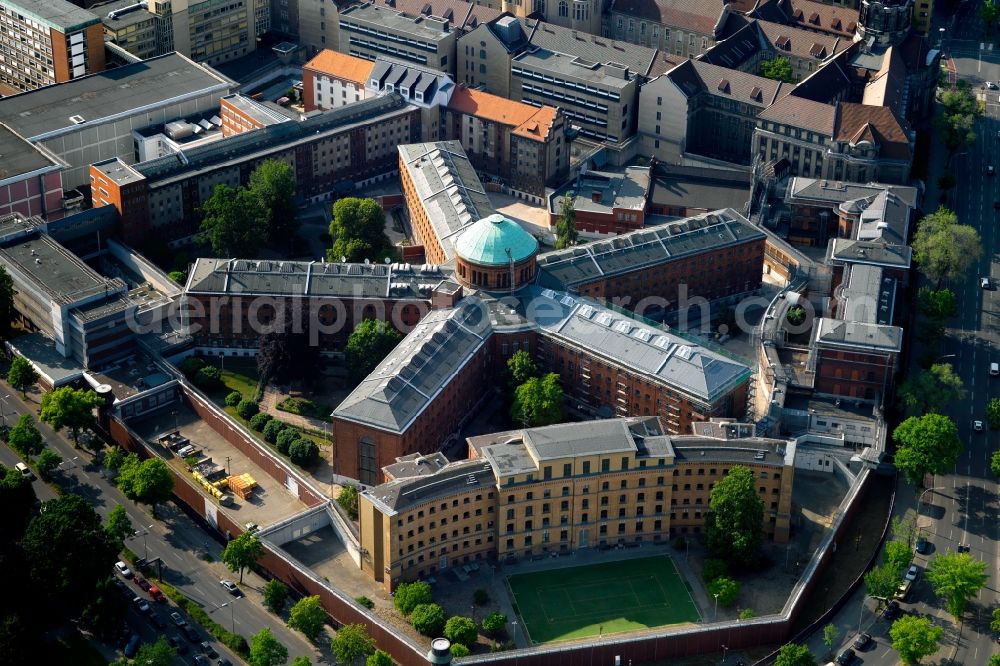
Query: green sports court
[{"x": 605, "y": 598}]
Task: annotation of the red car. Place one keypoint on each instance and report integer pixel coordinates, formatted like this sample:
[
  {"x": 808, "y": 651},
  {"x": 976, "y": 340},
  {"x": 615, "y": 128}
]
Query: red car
[
  {"x": 155, "y": 593},
  {"x": 142, "y": 582}
]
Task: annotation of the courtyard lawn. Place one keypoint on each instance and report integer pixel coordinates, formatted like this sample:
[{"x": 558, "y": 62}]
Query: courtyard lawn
[{"x": 605, "y": 598}]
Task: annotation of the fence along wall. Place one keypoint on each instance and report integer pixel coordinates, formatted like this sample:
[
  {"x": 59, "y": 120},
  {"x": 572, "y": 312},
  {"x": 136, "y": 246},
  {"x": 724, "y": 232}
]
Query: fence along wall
[{"x": 650, "y": 646}]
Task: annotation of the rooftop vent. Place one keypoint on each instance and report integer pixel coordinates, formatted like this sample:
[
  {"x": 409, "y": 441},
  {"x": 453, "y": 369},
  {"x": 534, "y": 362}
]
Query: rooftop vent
[
  {"x": 724, "y": 86},
  {"x": 77, "y": 120}
]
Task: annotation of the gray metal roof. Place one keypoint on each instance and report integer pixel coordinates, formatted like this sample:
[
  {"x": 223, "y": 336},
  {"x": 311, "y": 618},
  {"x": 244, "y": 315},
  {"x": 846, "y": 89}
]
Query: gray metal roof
[
  {"x": 626, "y": 190},
  {"x": 699, "y": 187},
  {"x": 314, "y": 278},
  {"x": 876, "y": 252},
  {"x": 867, "y": 295},
  {"x": 64, "y": 16},
  {"x": 134, "y": 15},
  {"x": 385, "y": 18},
  {"x": 20, "y": 157},
  {"x": 129, "y": 90},
  {"x": 866, "y": 336},
  {"x": 884, "y": 210},
  {"x": 564, "y": 269},
  {"x": 447, "y": 185},
  {"x": 657, "y": 354},
  {"x": 401, "y": 494},
  {"x": 592, "y": 48},
  {"x": 415, "y": 464},
  {"x": 423, "y": 363}
]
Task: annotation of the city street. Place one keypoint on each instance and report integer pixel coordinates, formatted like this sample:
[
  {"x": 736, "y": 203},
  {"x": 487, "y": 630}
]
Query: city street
[{"x": 182, "y": 545}]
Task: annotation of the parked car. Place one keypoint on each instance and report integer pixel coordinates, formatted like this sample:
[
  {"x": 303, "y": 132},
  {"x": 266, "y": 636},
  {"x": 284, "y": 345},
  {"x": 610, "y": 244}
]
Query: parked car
[
  {"x": 984, "y": 283},
  {"x": 157, "y": 621},
  {"x": 231, "y": 587},
  {"x": 25, "y": 471},
  {"x": 132, "y": 646},
  {"x": 892, "y": 611},
  {"x": 143, "y": 583},
  {"x": 201, "y": 660},
  {"x": 123, "y": 569},
  {"x": 862, "y": 641},
  {"x": 177, "y": 619},
  {"x": 964, "y": 548},
  {"x": 155, "y": 593},
  {"x": 177, "y": 644},
  {"x": 191, "y": 633},
  {"x": 923, "y": 546},
  {"x": 141, "y": 604},
  {"x": 207, "y": 648},
  {"x": 911, "y": 573},
  {"x": 991, "y": 86},
  {"x": 223, "y": 662},
  {"x": 846, "y": 657}
]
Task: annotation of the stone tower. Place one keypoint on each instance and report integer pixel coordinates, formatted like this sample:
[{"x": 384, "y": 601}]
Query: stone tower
[{"x": 884, "y": 22}]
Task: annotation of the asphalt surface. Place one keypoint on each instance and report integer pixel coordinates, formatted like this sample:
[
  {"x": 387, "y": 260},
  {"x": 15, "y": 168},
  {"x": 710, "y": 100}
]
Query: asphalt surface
[{"x": 176, "y": 539}]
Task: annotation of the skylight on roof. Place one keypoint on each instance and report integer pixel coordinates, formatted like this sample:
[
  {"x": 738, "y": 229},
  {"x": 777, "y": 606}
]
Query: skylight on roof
[
  {"x": 548, "y": 293},
  {"x": 643, "y": 334},
  {"x": 623, "y": 327},
  {"x": 661, "y": 342},
  {"x": 567, "y": 301},
  {"x": 586, "y": 312},
  {"x": 605, "y": 319},
  {"x": 684, "y": 352}
]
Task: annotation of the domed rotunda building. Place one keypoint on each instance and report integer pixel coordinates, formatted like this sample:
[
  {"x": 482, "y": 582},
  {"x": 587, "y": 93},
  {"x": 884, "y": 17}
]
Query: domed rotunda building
[{"x": 494, "y": 253}]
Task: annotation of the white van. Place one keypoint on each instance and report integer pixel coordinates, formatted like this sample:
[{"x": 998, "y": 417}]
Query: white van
[
  {"x": 994, "y": 368},
  {"x": 24, "y": 470}
]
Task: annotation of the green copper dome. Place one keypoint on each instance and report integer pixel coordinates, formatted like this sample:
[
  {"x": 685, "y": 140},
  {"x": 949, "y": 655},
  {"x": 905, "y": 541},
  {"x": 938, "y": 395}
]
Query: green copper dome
[{"x": 487, "y": 241}]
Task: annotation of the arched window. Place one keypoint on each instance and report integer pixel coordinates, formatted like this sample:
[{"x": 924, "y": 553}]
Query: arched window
[
  {"x": 540, "y": 7},
  {"x": 563, "y": 8}
]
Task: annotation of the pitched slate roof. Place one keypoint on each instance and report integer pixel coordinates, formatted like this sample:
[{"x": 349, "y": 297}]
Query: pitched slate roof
[
  {"x": 810, "y": 15},
  {"x": 696, "y": 76},
  {"x": 638, "y": 59},
  {"x": 804, "y": 113},
  {"x": 878, "y": 124},
  {"x": 801, "y": 43},
  {"x": 699, "y": 16}
]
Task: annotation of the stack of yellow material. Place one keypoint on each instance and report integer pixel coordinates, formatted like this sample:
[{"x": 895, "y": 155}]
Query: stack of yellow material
[{"x": 242, "y": 485}]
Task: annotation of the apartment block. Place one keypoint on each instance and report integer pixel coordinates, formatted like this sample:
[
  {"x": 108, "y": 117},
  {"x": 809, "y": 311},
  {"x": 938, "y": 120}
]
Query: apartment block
[
  {"x": 595, "y": 81},
  {"x": 331, "y": 80},
  {"x": 47, "y": 41},
  {"x": 562, "y": 488},
  {"x": 213, "y": 31}
]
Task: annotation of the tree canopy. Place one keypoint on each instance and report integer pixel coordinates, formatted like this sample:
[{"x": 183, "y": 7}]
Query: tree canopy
[
  {"x": 118, "y": 527},
  {"x": 21, "y": 374},
  {"x": 369, "y": 343},
  {"x": 932, "y": 390},
  {"x": 410, "y": 595},
  {"x": 881, "y": 582},
  {"x": 266, "y": 650},
  {"x": 147, "y": 481},
  {"x": 566, "y": 233},
  {"x": 995, "y": 463},
  {"x": 461, "y": 630},
  {"x": 275, "y": 595},
  {"x": 914, "y": 638},
  {"x": 957, "y": 121},
  {"x": 242, "y": 552},
  {"x": 777, "y": 69},
  {"x": 24, "y": 436},
  {"x": 71, "y": 408},
  {"x": 234, "y": 222},
  {"x": 308, "y": 616},
  {"x": 352, "y": 644},
  {"x": 47, "y": 463},
  {"x": 944, "y": 249},
  {"x": 988, "y": 14},
  {"x": 286, "y": 352},
  {"x": 159, "y": 653},
  {"x": 725, "y": 590},
  {"x": 793, "y": 654},
  {"x": 539, "y": 401},
  {"x": 428, "y": 619},
  {"x": 358, "y": 231},
  {"x": 993, "y": 413},
  {"x": 957, "y": 577},
  {"x": 520, "y": 368},
  {"x": 897, "y": 557},
  {"x": 734, "y": 522},
  {"x": 273, "y": 183},
  {"x": 937, "y": 304},
  {"x": 927, "y": 444},
  {"x": 379, "y": 658},
  {"x": 348, "y": 501}
]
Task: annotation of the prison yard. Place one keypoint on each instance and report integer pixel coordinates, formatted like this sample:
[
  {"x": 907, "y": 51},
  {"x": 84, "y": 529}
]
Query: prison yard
[{"x": 601, "y": 599}]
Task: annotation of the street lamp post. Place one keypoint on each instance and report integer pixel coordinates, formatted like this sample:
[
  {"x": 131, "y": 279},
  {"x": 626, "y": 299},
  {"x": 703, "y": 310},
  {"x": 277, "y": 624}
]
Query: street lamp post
[
  {"x": 716, "y": 595},
  {"x": 145, "y": 533},
  {"x": 232, "y": 612},
  {"x": 920, "y": 503},
  {"x": 3, "y": 416},
  {"x": 725, "y": 653},
  {"x": 861, "y": 612}
]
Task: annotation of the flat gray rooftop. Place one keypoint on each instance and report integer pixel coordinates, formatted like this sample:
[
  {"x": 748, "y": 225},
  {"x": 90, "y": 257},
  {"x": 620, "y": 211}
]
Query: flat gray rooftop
[
  {"x": 58, "y": 14},
  {"x": 48, "y": 361},
  {"x": 117, "y": 171},
  {"x": 115, "y": 92},
  {"x": 133, "y": 16},
  {"x": 627, "y": 189},
  {"x": 419, "y": 27},
  {"x": 18, "y": 156},
  {"x": 572, "y": 66}
]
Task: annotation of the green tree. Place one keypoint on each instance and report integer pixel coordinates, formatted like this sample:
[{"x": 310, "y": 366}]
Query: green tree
[
  {"x": 379, "y": 658},
  {"x": 725, "y": 589},
  {"x": 273, "y": 183},
  {"x": 242, "y": 552},
  {"x": 180, "y": 277},
  {"x": 352, "y": 644},
  {"x": 358, "y": 231},
  {"x": 275, "y": 596},
  {"x": 995, "y": 623},
  {"x": 233, "y": 398},
  {"x": 959, "y": 111},
  {"x": 259, "y": 420},
  {"x": 348, "y": 501},
  {"x": 285, "y": 439},
  {"x": 48, "y": 461},
  {"x": 21, "y": 374},
  {"x": 234, "y": 222},
  {"x": 308, "y": 616},
  {"x": 7, "y": 309},
  {"x": 148, "y": 481},
  {"x": 428, "y": 619},
  {"x": 944, "y": 249},
  {"x": 994, "y": 660},
  {"x": 272, "y": 429},
  {"x": 494, "y": 623},
  {"x": 539, "y": 401},
  {"x": 17, "y": 497},
  {"x": 301, "y": 660},
  {"x": 25, "y": 438},
  {"x": 159, "y": 653},
  {"x": 957, "y": 577},
  {"x": 410, "y": 595},
  {"x": 303, "y": 452},
  {"x": 67, "y": 551},
  {"x": 459, "y": 650},
  {"x": 714, "y": 568},
  {"x": 369, "y": 343},
  {"x": 830, "y": 636},
  {"x": 905, "y": 530},
  {"x": 266, "y": 650},
  {"x": 933, "y": 389},
  {"x": 881, "y": 582},
  {"x": 793, "y": 654},
  {"x": 914, "y": 638},
  {"x": 247, "y": 408},
  {"x": 566, "y": 233},
  {"x": 734, "y": 522},
  {"x": 114, "y": 458},
  {"x": 208, "y": 378},
  {"x": 993, "y": 413},
  {"x": 70, "y": 408},
  {"x": 995, "y": 463},
  {"x": 118, "y": 527},
  {"x": 746, "y": 614},
  {"x": 461, "y": 630},
  {"x": 927, "y": 444},
  {"x": 777, "y": 69},
  {"x": 898, "y": 556},
  {"x": 937, "y": 304},
  {"x": 520, "y": 368},
  {"x": 795, "y": 315},
  {"x": 988, "y": 14}
]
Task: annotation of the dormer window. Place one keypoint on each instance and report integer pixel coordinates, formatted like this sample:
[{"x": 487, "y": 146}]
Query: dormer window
[{"x": 419, "y": 96}]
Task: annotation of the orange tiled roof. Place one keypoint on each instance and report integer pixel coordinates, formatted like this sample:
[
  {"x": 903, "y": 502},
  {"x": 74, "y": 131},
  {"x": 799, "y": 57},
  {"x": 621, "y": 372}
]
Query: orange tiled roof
[
  {"x": 341, "y": 66},
  {"x": 527, "y": 120}
]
